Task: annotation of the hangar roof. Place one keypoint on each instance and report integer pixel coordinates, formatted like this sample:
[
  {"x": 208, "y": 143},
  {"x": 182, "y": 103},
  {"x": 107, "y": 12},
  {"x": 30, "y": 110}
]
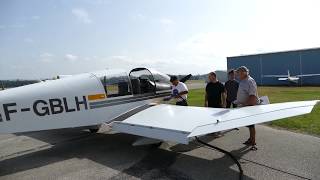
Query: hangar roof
[{"x": 295, "y": 50}]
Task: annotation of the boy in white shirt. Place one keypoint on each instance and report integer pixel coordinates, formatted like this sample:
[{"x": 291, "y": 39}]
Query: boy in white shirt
[{"x": 179, "y": 91}]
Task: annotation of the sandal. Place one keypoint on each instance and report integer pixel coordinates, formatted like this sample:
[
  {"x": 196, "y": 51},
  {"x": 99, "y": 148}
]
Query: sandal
[
  {"x": 253, "y": 147},
  {"x": 248, "y": 142}
]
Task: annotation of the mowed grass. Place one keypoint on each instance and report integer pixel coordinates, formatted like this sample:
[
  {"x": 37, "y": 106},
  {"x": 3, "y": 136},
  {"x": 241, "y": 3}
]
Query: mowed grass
[{"x": 309, "y": 123}]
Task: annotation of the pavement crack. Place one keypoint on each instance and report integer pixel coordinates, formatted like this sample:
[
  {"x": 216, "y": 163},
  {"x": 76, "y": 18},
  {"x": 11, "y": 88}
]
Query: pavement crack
[{"x": 275, "y": 169}]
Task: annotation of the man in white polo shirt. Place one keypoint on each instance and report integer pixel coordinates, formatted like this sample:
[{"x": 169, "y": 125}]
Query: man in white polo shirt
[
  {"x": 179, "y": 91},
  {"x": 247, "y": 96}
]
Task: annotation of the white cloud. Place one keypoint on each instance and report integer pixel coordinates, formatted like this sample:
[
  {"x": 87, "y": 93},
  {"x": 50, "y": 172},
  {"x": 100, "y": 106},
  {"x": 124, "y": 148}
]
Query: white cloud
[
  {"x": 82, "y": 15},
  {"x": 17, "y": 26},
  {"x": 12, "y": 26},
  {"x": 35, "y": 17},
  {"x": 99, "y": 2},
  {"x": 71, "y": 57},
  {"x": 276, "y": 31},
  {"x": 167, "y": 21},
  {"x": 46, "y": 54},
  {"x": 139, "y": 17},
  {"x": 28, "y": 40},
  {"x": 170, "y": 65},
  {"x": 46, "y": 57},
  {"x": 168, "y": 24}
]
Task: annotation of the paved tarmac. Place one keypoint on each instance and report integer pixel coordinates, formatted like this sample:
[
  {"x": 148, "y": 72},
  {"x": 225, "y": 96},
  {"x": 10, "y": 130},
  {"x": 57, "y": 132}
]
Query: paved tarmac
[{"x": 76, "y": 154}]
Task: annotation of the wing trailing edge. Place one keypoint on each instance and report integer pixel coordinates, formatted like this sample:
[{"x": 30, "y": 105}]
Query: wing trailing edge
[{"x": 181, "y": 124}]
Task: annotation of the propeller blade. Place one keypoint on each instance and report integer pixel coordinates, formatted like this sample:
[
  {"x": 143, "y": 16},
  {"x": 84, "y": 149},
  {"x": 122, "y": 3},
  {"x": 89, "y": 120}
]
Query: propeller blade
[{"x": 186, "y": 78}]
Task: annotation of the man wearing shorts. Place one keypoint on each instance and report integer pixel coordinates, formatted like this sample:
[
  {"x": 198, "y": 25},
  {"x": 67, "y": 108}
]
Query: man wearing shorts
[{"x": 247, "y": 95}]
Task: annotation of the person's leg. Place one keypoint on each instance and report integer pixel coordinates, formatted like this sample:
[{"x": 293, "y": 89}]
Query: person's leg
[
  {"x": 228, "y": 104},
  {"x": 182, "y": 103},
  {"x": 253, "y": 138},
  {"x": 234, "y": 105},
  {"x": 253, "y": 135},
  {"x": 250, "y": 136}
]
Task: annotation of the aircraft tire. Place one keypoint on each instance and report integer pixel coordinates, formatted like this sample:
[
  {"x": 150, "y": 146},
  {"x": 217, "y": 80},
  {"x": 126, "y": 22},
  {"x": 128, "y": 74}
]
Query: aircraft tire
[{"x": 93, "y": 130}]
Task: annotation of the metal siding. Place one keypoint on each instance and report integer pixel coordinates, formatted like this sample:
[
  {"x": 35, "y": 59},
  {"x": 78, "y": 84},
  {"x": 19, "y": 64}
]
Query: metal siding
[
  {"x": 278, "y": 64},
  {"x": 310, "y": 65},
  {"x": 251, "y": 62}
]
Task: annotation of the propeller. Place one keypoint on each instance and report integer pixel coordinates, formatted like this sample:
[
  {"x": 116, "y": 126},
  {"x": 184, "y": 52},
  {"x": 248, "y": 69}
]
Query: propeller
[{"x": 186, "y": 78}]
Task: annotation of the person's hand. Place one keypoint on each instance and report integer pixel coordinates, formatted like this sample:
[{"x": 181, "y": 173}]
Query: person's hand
[
  {"x": 205, "y": 104},
  {"x": 168, "y": 98}
]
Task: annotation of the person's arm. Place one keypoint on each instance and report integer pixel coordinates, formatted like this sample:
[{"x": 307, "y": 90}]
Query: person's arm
[
  {"x": 206, "y": 96},
  {"x": 183, "y": 89},
  {"x": 252, "y": 100},
  {"x": 223, "y": 97},
  {"x": 183, "y": 92},
  {"x": 206, "y": 100}
]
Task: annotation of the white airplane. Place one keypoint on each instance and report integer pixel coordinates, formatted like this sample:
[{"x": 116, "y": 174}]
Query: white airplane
[
  {"x": 92, "y": 99},
  {"x": 126, "y": 101},
  {"x": 289, "y": 78}
]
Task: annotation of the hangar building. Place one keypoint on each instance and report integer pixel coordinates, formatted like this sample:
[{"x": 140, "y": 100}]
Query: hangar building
[{"x": 303, "y": 61}]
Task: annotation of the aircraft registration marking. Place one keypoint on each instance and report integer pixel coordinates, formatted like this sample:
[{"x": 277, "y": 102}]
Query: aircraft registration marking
[
  {"x": 46, "y": 107},
  {"x": 94, "y": 97},
  {"x": 25, "y": 109}
]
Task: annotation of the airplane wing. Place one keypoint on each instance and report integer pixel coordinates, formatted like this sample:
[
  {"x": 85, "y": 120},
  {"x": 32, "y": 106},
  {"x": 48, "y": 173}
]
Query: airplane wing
[
  {"x": 283, "y": 79},
  {"x": 307, "y": 75},
  {"x": 278, "y": 76},
  {"x": 181, "y": 124}
]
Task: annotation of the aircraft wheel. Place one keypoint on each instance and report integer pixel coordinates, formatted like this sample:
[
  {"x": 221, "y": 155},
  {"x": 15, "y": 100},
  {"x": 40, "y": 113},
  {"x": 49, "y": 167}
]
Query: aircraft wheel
[
  {"x": 93, "y": 130},
  {"x": 155, "y": 146}
]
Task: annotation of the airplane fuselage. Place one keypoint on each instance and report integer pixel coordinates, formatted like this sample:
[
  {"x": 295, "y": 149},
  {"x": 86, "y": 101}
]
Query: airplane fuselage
[
  {"x": 88, "y": 99},
  {"x": 291, "y": 79}
]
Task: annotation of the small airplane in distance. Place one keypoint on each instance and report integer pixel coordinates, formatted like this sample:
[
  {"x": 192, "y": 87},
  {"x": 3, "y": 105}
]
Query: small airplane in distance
[{"x": 289, "y": 78}]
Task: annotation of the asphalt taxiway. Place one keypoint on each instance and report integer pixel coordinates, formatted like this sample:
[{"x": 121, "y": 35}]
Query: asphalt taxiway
[{"x": 78, "y": 154}]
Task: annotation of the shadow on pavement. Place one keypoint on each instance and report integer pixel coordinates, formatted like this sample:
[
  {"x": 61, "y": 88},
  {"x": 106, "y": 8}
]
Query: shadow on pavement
[{"x": 115, "y": 151}]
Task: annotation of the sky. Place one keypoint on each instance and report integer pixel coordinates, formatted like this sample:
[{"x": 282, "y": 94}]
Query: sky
[{"x": 42, "y": 39}]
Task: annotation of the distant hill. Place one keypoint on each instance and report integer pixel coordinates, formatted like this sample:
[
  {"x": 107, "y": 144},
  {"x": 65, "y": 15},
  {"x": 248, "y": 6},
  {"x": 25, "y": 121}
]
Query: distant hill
[
  {"x": 222, "y": 76},
  {"x": 15, "y": 83}
]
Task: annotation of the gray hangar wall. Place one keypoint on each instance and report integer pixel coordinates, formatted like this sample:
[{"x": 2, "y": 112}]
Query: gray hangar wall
[{"x": 298, "y": 62}]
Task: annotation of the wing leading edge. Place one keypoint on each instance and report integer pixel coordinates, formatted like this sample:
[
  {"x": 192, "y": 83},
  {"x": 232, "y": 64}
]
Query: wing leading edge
[{"x": 181, "y": 124}]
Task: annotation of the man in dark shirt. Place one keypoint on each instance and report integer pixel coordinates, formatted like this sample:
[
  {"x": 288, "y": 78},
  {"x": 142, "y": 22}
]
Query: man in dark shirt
[
  {"x": 232, "y": 89},
  {"x": 215, "y": 92}
]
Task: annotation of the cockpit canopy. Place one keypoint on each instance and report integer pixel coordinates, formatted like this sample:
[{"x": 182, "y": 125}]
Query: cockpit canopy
[{"x": 138, "y": 81}]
